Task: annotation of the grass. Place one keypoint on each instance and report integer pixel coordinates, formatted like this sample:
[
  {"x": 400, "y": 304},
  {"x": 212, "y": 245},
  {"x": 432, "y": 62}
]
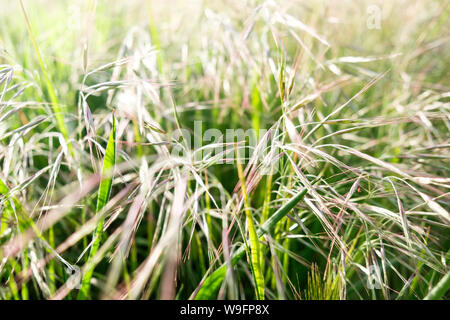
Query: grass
[
  {"x": 104, "y": 192},
  {"x": 341, "y": 191}
]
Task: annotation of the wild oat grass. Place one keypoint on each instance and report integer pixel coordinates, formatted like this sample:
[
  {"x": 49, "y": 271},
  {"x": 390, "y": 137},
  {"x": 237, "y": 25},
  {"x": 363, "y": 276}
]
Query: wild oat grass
[{"x": 224, "y": 149}]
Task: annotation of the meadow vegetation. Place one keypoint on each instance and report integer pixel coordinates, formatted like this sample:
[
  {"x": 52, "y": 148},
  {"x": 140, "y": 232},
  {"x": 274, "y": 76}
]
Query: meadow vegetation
[{"x": 339, "y": 188}]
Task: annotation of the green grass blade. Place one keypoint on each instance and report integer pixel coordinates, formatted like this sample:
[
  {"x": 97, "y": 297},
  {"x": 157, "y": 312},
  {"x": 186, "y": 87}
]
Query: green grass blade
[
  {"x": 440, "y": 289},
  {"x": 268, "y": 226},
  {"x": 48, "y": 83},
  {"x": 255, "y": 250},
  {"x": 212, "y": 283},
  {"x": 209, "y": 289},
  {"x": 256, "y": 106},
  {"x": 103, "y": 197},
  {"x": 108, "y": 165}
]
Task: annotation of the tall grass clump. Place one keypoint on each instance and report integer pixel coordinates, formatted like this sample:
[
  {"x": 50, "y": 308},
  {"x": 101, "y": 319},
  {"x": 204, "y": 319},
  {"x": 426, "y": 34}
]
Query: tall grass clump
[{"x": 224, "y": 150}]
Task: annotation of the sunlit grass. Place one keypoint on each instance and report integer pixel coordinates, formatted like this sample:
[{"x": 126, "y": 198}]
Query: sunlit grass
[{"x": 344, "y": 196}]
